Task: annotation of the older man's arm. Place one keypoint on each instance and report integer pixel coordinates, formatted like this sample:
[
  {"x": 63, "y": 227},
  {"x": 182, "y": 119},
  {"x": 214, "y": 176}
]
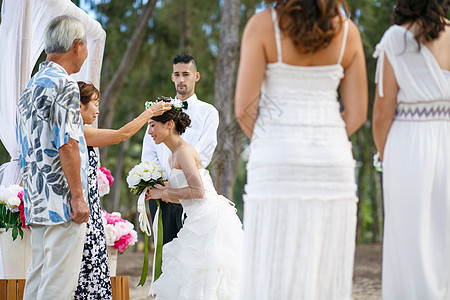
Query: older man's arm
[{"x": 70, "y": 163}]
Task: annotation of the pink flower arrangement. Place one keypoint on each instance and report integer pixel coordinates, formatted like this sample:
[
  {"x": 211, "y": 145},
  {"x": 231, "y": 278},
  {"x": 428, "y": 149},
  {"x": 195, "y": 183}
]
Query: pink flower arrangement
[
  {"x": 120, "y": 233},
  {"x": 12, "y": 215},
  {"x": 105, "y": 180}
]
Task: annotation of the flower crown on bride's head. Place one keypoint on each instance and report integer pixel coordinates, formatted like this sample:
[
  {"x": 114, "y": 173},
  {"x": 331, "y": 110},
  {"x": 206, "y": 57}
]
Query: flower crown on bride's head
[{"x": 176, "y": 103}]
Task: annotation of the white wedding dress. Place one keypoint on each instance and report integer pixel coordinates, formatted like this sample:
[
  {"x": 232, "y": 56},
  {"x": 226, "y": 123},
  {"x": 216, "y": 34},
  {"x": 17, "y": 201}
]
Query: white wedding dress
[
  {"x": 416, "y": 172},
  {"x": 204, "y": 260},
  {"x": 300, "y": 202}
]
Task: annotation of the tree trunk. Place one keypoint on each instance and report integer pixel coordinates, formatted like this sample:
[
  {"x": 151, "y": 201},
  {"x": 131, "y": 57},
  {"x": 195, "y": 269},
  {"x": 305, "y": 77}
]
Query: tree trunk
[
  {"x": 114, "y": 197},
  {"x": 184, "y": 44},
  {"x": 109, "y": 96},
  {"x": 227, "y": 156}
]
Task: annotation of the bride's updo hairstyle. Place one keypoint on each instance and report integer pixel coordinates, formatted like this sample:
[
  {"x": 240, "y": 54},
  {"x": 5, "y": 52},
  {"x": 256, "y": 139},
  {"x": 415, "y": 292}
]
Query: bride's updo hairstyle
[
  {"x": 309, "y": 23},
  {"x": 180, "y": 118},
  {"x": 429, "y": 15}
]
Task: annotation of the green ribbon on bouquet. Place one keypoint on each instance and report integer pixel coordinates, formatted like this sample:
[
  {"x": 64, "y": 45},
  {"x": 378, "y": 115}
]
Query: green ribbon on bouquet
[
  {"x": 159, "y": 244},
  {"x": 145, "y": 265},
  {"x": 158, "y": 250}
]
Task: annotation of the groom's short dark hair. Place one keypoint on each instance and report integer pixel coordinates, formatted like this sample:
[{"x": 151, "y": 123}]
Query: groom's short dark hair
[{"x": 184, "y": 59}]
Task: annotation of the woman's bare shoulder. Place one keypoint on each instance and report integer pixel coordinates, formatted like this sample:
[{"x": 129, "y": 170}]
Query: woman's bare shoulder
[
  {"x": 185, "y": 151},
  {"x": 259, "y": 22},
  {"x": 353, "y": 44}
]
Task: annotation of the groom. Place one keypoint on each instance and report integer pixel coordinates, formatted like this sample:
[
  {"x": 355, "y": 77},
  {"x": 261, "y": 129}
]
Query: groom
[{"x": 202, "y": 135}]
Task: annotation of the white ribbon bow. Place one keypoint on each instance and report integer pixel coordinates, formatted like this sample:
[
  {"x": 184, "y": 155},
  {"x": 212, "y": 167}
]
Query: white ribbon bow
[{"x": 144, "y": 223}]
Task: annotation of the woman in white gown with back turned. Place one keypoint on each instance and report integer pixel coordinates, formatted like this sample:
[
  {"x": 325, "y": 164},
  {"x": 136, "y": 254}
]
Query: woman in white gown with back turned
[
  {"x": 411, "y": 128},
  {"x": 300, "y": 202},
  {"x": 204, "y": 260}
]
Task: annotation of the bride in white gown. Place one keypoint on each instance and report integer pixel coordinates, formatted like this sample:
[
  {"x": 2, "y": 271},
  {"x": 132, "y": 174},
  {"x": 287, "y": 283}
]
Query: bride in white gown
[{"x": 204, "y": 261}]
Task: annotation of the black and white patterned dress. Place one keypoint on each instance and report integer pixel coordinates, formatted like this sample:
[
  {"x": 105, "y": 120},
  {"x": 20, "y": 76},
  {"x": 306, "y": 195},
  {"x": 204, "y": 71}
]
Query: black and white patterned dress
[{"x": 94, "y": 281}]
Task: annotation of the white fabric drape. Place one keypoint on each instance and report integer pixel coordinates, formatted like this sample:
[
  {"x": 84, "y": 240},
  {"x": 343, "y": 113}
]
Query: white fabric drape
[{"x": 21, "y": 43}]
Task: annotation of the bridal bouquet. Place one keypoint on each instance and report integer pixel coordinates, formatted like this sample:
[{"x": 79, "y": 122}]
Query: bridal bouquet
[
  {"x": 12, "y": 214},
  {"x": 119, "y": 233},
  {"x": 139, "y": 179},
  {"x": 144, "y": 175},
  {"x": 105, "y": 180}
]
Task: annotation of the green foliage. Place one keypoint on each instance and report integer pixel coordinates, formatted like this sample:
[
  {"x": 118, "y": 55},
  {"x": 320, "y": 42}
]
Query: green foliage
[
  {"x": 372, "y": 18},
  {"x": 4, "y": 155},
  {"x": 142, "y": 185},
  {"x": 10, "y": 220}
]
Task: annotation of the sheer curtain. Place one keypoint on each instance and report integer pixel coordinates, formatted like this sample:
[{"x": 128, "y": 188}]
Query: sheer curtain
[{"x": 21, "y": 43}]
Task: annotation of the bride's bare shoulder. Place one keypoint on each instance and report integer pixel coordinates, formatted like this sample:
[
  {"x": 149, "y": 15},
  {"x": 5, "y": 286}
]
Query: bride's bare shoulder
[{"x": 186, "y": 151}]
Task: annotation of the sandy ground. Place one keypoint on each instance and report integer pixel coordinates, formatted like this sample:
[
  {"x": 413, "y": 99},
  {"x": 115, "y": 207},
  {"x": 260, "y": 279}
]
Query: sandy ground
[{"x": 366, "y": 277}]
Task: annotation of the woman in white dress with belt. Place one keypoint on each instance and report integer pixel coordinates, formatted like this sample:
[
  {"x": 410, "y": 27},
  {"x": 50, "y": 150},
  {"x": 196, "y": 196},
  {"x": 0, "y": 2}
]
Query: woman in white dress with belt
[
  {"x": 411, "y": 128},
  {"x": 300, "y": 202}
]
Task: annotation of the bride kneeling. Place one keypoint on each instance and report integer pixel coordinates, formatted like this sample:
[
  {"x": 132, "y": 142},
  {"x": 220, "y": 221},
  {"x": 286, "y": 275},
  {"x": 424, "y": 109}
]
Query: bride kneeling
[{"x": 204, "y": 261}]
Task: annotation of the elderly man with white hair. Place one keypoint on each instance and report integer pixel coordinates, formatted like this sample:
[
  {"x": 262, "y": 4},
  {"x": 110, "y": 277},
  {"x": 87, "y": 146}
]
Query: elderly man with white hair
[{"x": 53, "y": 161}]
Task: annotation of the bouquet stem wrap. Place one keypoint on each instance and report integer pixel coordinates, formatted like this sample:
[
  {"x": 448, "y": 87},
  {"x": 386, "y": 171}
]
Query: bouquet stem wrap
[
  {"x": 158, "y": 247},
  {"x": 144, "y": 223}
]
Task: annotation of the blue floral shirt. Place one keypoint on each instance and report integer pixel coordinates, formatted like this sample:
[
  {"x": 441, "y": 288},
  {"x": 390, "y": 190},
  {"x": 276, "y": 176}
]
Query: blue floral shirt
[{"x": 48, "y": 115}]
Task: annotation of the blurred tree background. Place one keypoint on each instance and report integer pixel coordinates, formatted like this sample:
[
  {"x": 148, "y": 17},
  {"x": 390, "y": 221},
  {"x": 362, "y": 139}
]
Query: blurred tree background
[{"x": 142, "y": 38}]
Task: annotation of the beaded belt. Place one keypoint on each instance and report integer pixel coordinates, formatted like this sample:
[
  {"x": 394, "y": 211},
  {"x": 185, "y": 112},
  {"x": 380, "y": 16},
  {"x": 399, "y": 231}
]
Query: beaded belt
[{"x": 435, "y": 110}]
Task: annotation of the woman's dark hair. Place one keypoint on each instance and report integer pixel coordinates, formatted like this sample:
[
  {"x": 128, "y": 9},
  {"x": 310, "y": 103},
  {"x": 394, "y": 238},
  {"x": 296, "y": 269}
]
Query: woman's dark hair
[
  {"x": 86, "y": 92},
  {"x": 309, "y": 23},
  {"x": 180, "y": 118},
  {"x": 429, "y": 15}
]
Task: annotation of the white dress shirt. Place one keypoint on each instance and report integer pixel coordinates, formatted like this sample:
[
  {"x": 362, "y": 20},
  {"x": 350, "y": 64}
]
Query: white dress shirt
[{"x": 201, "y": 134}]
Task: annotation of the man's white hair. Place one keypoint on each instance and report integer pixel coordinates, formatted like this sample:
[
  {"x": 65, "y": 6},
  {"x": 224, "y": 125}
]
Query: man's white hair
[{"x": 61, "y": 32}]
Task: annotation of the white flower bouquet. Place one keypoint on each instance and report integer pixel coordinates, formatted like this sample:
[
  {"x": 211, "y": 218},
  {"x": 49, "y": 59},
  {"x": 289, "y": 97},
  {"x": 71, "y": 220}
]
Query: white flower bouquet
[
  {"x": 144, "y": 175},
  {"x": 140, "y": 178}
]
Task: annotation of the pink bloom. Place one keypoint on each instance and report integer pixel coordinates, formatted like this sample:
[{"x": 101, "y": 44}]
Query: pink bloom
[
  {"x": 112, "y": 218},
  {"x": 108, "y": 175},
  {"x": 122, "y": 228},
  {"x": 22, "y": 210},
  {"x": 119, "y": 232},
  {"x": 123, "y": 242},
  {"x": 103, "y": 184}
]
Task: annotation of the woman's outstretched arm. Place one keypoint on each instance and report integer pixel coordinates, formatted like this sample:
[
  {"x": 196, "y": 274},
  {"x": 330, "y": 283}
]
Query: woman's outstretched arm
[{"x": 104, "y": 137}]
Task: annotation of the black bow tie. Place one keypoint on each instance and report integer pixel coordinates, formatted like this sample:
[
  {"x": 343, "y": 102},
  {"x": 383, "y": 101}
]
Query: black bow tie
[{"x": 185, "y": 104}]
